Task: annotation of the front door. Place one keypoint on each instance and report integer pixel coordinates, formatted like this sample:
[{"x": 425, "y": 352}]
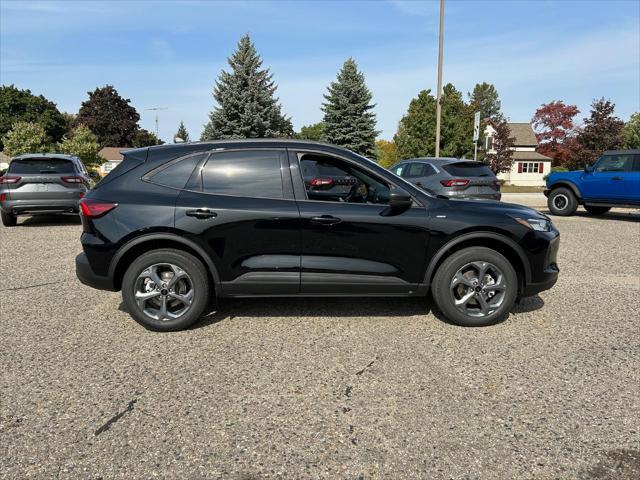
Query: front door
[
  {"x": 351, "y": 242},
  {"x": 609, "y": 180},
  {"x": 240, "y": 207}
]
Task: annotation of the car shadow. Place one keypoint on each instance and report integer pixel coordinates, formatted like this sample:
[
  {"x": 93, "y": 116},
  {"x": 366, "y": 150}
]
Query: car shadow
[
  {"x": 49, "y": 220},
  {"x": 373, "y": 307}
]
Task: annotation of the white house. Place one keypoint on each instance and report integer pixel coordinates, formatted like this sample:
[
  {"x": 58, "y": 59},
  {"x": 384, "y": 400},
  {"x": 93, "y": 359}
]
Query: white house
[
  {"x": 529, "y": 167},
  {"x": 112, "y": 157}
]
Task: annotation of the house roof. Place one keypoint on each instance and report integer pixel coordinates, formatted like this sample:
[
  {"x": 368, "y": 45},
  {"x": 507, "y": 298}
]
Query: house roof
[
  {"x": 523, "y": 134},
  {"x": 530, "y": 156},
  {"x": 112, "y": 153}
]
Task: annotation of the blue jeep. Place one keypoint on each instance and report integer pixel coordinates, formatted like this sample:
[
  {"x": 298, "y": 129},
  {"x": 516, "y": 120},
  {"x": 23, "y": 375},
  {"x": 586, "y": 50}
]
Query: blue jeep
[{"x": 613, "y": 181}]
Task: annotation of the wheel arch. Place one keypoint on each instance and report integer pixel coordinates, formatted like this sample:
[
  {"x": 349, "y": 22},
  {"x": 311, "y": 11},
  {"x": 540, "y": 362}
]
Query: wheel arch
[
  {"x": 140, "y": 245},
  {"x": 500, "y": 243},
  {"x": 567, "y": 184}
]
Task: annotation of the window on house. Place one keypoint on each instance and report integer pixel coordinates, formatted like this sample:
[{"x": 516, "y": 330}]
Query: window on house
[
  {"x": 530, "y": 167},
  {"x": 489, "y": 143}
]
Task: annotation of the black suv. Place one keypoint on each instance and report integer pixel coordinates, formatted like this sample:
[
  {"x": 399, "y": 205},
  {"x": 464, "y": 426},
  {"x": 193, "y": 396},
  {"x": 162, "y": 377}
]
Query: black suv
[{"x": 177, "y": 226}]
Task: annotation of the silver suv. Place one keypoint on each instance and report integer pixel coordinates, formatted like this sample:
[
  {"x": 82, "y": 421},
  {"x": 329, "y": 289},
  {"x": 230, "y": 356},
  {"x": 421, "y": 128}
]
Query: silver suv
[
  {"x": 451, "y": 177},
  {"x": 42, "y": 183}
]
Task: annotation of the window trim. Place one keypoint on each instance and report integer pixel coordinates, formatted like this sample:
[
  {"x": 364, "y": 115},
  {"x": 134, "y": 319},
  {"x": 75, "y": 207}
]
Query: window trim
[{"x": 295, "y": 152}]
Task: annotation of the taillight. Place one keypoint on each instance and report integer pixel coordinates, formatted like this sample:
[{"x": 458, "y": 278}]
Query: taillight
[
  {"x": 95, "y": 208},
  {"x": 9, "y": 179},
  {"x": 455, "y": 182},
  {"x": 321, "y": 182},
  {"x": 2, "y": 197},
  {"x": 72, "y": 179}
]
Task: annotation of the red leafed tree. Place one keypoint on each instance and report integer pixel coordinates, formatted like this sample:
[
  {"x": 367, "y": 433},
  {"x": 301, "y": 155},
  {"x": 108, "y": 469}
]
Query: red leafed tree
[
  {"x": 555, "y": 130},
  {"x": 502, "y": 158}
]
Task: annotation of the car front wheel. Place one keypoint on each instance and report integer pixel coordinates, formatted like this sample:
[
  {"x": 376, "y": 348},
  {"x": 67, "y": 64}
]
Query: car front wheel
[
  {"x": 475, "y": 287},
  {"x": 562, "y": 202},
  {"x": 8, "y": 219},
  {"x": 166, "y": 290}
]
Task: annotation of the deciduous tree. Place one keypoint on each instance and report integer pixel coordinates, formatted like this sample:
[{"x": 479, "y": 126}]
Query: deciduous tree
[
  {"x": 25, "y": 137},
  {"x": 246, "y": 103},
  {"x": 82, "y": 143},
  {"x": 145, "y": 138},
  {"x": 22, "y": 106},
  {"x": 314, "y": 131},
  {"x": 555, "y": 131},
  {"x": 601, "y": 131},
  {"x": 387, "y": 153},
  {"x": 631, "y": 132},
  {"x": 110, "y": 117},
  {"x": 502, "y": 159},
  {"x": 348, "y": 112}
]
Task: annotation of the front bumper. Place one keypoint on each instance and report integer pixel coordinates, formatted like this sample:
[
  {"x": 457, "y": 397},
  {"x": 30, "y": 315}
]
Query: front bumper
[
  {"x": 549, "y": 275},
  {"x": 87, "y": 276}
]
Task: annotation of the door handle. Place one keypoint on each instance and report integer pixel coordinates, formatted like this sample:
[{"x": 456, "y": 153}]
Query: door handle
[
  {"x": 201, "y": 213},
  {"x": 616, "y": 178},
  {"x": 326, "y": 220}
]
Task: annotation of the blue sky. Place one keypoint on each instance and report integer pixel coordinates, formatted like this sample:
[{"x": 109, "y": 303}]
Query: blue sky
[{"x": 168, "y": 54}]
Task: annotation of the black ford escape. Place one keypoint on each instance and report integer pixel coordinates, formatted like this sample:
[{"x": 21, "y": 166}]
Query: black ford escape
[{"x": 176, "y": 226}]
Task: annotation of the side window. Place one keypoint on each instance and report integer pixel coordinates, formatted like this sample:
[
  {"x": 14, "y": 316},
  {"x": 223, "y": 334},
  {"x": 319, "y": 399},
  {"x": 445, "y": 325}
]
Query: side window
[
  {"x": 331, "y": 179},
  {"x": 245, "y": 173},
  {"x": 428, "y": 170},
  {"x": 177, "y": 173},
  {"x": 416, "y": 170},
  {"x": 636, "y": 163},
  {"x": 615, "y": 163},
  {"x": 399, "y": 169}
]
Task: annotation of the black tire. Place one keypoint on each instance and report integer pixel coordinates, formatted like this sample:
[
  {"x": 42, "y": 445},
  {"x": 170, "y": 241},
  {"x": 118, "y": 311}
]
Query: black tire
[
  {"x": 8, "y": 219},
  {"x": 197, "y": 278},
  {"x": 595, "y": 210},
  {"x": 562, "y": 202},
  {"x": 444, "y": 297}
]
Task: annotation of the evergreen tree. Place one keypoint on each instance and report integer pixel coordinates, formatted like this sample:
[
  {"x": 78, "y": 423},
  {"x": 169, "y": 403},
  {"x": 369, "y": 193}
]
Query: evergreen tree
[
  {"x": 182, "y": 133},
  {"x": 348, "y": 117},
  {"x": 247, "y": 105},
  {"x": 456, "y": 129},
  {"x": 484, "y": 99},
  {"x": 110, "y": 117},
  {"x": 416, "y": 136}
]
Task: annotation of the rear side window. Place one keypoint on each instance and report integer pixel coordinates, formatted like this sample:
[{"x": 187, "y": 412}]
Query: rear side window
[
  {"x": 177, "y": 173},
  {"x": 468, "y": 169},
  {"x": 244, "y": 173},
  {"x": 28, "y": 166},
  {"x": 419, "y": 170}
]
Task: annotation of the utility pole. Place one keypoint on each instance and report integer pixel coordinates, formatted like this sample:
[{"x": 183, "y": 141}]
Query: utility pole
[
  {"x": 438, "y": 107},
  {"x": 155, "y": 109}
]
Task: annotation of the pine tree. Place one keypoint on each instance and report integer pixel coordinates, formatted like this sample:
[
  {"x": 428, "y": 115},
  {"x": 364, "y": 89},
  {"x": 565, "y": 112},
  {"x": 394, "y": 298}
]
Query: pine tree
[
  {"x": 247, "y": 106},
  {"x": 348, "y": 117},
  {"x": 456, "y": 131},
  {"x": 484, "y": 99},
  {"x": 182, "y": 133}
]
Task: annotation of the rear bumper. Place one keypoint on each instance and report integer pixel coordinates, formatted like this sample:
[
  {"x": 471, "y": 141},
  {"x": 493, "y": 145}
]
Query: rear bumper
[
  {"x": 22, "y": 207},
  {"x": 87, "y": 276},
  {"x": 476, "y": 196}
]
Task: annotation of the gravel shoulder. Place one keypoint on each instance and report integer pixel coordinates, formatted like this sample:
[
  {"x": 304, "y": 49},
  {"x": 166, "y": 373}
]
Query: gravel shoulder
[{"x": 322, "y": 388}]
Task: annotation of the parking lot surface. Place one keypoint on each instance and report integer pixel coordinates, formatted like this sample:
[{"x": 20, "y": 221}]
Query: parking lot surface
[{"x": 322, "y": 388}]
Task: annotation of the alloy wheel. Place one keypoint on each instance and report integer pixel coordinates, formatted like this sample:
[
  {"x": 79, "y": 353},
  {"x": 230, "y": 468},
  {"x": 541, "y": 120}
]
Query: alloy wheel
[
  {"x": 560, "y": 201},
  {"x": 164, "y": 291},
  {"x": 478, "y": 289}
]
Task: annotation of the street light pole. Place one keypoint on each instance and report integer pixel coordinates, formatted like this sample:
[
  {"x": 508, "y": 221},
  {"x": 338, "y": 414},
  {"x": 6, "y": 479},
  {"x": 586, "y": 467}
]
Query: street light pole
[{"x": 438, "y": 107}]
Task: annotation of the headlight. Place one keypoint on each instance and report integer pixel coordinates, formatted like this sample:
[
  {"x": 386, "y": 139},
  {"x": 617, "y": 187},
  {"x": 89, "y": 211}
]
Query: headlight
[{"x": 539, "y": 224}]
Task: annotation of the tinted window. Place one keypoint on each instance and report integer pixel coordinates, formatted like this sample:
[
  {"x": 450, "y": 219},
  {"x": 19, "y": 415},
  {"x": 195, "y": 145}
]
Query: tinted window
[
  {"x": 398, "y": 170},
  {"x": 636, "y": 163},
  {"x": 468, "y": 169},
  {"x": 420, "y": 170},
  {"x": 244, "y": 173},
  {"x": 615, "y": 163},
  {"x": 41, "y": 165},
  {"x": 177, "y": 173}
]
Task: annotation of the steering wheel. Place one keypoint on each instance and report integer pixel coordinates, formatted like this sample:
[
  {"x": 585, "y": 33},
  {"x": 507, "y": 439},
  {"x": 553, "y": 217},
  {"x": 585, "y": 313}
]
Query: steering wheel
[{"x": 353, "y": 191}]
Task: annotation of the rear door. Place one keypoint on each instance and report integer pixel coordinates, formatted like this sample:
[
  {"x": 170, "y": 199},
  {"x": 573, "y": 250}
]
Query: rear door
[
  {"x": 44, "y": 179},
  {"x": 239, "y": 206},
  {"x": 610, "y": 179},
  {"x": 481, "y": 181}
]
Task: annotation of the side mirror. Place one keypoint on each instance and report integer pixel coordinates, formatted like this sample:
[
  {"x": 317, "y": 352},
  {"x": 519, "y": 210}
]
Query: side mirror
[
  {"x": 587, "y": 168},
  {"x": 399, "y": 199}
]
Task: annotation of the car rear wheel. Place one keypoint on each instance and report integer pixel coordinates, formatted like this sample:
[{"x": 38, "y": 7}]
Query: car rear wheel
[
  {"x": 166, "y": 290},
  {"x": 596, "y": 210},
  {"x": 562, "y": 202},
  {"x": 8, "y": 219},
  {"x": 475, "y": 287}
]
